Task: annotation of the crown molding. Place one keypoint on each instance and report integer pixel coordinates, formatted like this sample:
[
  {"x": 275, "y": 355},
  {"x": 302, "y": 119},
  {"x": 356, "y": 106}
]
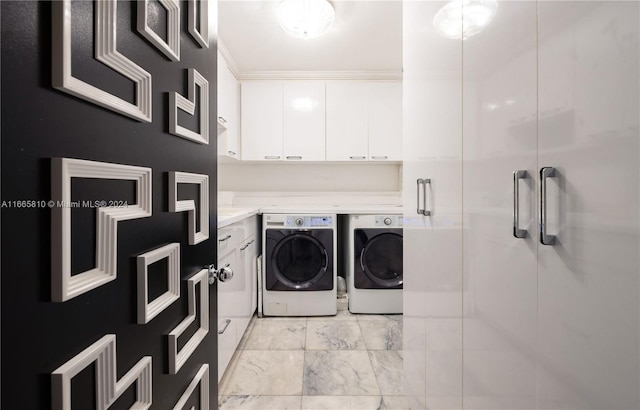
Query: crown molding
[
  {"x": 320, "y": 75},
  {"x": 231, "y": 62}
]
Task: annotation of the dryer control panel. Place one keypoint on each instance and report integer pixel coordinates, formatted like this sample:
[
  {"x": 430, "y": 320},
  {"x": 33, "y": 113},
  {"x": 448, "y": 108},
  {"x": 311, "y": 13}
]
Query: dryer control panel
[
  {"x": 308, "y": 221},
  {"x": 388, "y": 221}
]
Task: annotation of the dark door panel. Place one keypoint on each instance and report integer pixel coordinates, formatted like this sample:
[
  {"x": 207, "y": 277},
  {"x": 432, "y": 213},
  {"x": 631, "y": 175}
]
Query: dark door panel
[{"x": 40, "y": 123}]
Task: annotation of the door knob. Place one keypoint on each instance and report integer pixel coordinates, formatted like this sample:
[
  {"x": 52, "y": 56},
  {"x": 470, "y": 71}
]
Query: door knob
[{"x": 224, "y": 274}]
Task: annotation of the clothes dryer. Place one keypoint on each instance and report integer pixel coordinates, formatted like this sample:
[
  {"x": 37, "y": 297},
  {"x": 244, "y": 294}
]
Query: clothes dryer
[{"x": 374, "y": 263}]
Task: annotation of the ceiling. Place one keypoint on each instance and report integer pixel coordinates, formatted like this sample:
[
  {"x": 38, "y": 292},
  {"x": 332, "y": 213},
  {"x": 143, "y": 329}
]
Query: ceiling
[{"x": 365, "y": 36}]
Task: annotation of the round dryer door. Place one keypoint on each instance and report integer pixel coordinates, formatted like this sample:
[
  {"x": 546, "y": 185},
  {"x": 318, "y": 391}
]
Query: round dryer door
[
  {"x": 300, "y": 261},
  {"x": 381, "y": 260}
]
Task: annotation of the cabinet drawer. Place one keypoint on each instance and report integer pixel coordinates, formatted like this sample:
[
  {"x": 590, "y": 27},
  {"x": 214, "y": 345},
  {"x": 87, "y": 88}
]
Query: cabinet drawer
[
  {"x": 232, "y": 235},
  {"x": 229, "y": 237}
]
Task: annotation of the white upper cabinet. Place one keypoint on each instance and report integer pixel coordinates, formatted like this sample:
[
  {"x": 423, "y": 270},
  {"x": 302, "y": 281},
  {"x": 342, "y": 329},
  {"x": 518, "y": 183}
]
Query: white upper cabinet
[
  {"x": 347, "y": 122},
  {"x": 304, "y": 121},
  {"x": 385, "y": 121},
  {"x": 316, "y": 120},
  {"x": 262, "y": 120},
  {"x": 228, "y": 111}
]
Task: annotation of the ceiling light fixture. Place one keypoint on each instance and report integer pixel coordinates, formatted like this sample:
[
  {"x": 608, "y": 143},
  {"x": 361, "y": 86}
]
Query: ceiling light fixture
[
  {"x": 305, "y": 18},
  {"x": 461, "y": 19}
]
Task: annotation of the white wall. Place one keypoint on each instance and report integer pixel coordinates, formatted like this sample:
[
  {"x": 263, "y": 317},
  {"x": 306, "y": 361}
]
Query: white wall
[{"x": 296, "y": 177}]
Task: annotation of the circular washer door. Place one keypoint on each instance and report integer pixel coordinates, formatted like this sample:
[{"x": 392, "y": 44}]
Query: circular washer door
[
  {"x": 299, "y": 260},
  {"x": 381, "y": 260}
]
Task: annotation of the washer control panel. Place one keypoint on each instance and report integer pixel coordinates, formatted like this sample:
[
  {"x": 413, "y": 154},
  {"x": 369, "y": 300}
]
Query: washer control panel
[
  {"x": 389, "y": 221},
  {"x": 307, "y": 221}
]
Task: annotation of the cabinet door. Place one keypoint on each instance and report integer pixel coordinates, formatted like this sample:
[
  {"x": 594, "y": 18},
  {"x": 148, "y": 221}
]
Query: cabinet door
[
  {"x": 304, "y": 121},
  {"x": 500, "y": 270},
  {"x": 228, "y": 111},
  {"x": 589, "y": 279},
  {"x": 261, "y": 117},
  {"x": 227, "y": 318},
  {"x": 347, "y": 127},
  {"x": 432, "y": 244},
  {"x": 247, "y": 257},
  {"x": 385, "y": 121}
]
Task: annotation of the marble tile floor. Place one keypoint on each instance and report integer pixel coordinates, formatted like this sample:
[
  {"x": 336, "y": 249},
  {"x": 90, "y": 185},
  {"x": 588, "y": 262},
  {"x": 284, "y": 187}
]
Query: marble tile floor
[{"x": 340, "y": 362}]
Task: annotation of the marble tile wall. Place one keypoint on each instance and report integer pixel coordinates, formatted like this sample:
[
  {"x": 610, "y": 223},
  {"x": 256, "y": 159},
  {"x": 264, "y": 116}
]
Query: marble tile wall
[{"x": 341, "y": 362}]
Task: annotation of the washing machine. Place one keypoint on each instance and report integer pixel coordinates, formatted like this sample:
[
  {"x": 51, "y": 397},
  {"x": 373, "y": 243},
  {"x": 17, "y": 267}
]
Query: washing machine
[
  {"x": 300, "y": 265},
  {"x": 374, "y": 263}
]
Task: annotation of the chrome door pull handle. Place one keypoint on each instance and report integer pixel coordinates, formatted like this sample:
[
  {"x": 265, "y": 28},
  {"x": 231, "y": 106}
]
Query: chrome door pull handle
[
  {"x": 272, "y": 157},
  {"x": 419, "y": 182},
  {"x": 357, "y": 157},
  {"x": 423, "y": 182},
  {"x": 424, "y": 193},
  {"x": 545, "y": 172},
  {"x": 379, "y": 157},
  {"x": 226, "y": 325},
  {"x": 294, "y": 156},
  {"x": 517, "y": 176}
]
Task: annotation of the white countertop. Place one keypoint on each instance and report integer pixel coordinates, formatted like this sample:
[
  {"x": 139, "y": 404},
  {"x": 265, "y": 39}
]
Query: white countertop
[{"x": 228, "y": 215}]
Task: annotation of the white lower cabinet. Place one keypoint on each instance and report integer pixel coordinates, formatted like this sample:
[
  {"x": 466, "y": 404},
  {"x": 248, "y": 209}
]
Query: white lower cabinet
[
  {"x": 238, "y": 251},
  {"x": 227, "y": 319}
]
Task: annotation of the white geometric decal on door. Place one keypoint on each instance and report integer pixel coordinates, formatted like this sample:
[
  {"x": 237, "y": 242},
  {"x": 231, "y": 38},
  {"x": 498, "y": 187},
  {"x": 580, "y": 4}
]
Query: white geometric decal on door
[
  {"x": 201, "y": 378},
  {"x": 189, "y": 205},
  {"x": 148, "y": 310},
  {"x": 199, "y": 15},
  {"x": 177, "y": 358},
  {"x": 105, "y": 52},
  {"x": 176, "y": 101},
  {"x": 171, "y": 47},
  {"x": 64, "y": 285},
  {"x": 108, "y": 389}
]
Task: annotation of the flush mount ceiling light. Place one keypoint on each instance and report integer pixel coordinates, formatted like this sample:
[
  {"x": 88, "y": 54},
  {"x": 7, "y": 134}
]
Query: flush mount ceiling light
[
  {"x": 461, "y": 19},
  {"x": 305, "y": 18}
]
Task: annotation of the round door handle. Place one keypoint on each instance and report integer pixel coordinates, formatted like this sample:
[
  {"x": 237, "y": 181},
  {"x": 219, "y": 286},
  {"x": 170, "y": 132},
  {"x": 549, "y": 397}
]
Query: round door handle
[{"x": 225, "y": 274}]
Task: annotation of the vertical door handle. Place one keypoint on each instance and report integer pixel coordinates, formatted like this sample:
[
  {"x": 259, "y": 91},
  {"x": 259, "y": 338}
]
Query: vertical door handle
[
  {"x": 423, "y": 182},
  {"x": 545, "y": 172},
  {"x": 425, "y": 212},
  {"x": 419, "y": 182},
  {"x": 517, "y": 176}
]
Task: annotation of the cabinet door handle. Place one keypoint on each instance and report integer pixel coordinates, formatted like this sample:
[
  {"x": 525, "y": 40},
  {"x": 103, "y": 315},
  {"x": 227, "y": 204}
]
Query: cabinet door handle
[
  {"x": 247, "y": 245},
  {"x": 425, "y": 181},
  {"x": 294, "y": 156},
  {"x": 224, "y": 239},
  {"x": 226, "y": 325},
  {"x": 379, "y": 157},
  {"x": 545, "y": 172},
  {"x": 422, "y": 182},
  {"x": 357, "y": 157},
  {"x": 222, "y": 120},
  {"x": 517, "y": 176},
  {"x": 232, "y": 153},
  {"x": 419, "y": 182},
  {"x": 272, "y": 157}
]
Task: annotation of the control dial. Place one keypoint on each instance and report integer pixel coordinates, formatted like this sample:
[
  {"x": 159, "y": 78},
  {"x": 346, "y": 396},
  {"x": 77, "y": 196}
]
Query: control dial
[
  {"x": 299, "y": 221},
  {"x": 387, "y": 221}
]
